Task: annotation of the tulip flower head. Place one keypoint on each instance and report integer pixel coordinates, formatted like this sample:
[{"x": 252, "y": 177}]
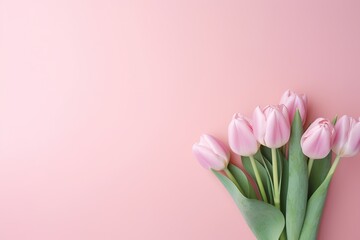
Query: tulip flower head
[
  {"x": 271, "y": 126},
  {"x": 317, "y": 140},
  {"x": 294, "y": 102},
  {"x": 347, "y": 137},
  {"x": 211, "y": 153},
  {"x": 241, "y": 137}
]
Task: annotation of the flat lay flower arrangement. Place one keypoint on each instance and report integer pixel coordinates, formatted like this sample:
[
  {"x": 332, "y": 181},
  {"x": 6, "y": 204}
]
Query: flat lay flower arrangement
[{"x": 291, "y": 167}]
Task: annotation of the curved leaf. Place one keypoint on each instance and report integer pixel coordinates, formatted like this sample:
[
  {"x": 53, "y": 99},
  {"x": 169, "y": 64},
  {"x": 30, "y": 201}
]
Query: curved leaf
[
  {"x": 268, "y": 166},
  {"x": 284, "y": 186},
  {"x": 265, "y": 221},
  {"x": 297, "y": 189},
  {"x": 263, "y": 175},
  {"x": 314, "y": 211},
  {"x": 243, "y": 181},
  {"x": 318, "y": 173},
  {"x": 266, "y": 152}
]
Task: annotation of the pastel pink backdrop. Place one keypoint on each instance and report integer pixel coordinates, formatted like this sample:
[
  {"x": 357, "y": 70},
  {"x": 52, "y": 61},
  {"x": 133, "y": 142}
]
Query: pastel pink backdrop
[{"x": 100, "y": 102}]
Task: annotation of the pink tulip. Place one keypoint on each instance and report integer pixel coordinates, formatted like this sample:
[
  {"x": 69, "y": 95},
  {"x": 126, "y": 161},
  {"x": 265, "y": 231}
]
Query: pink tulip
[
  {"x": 347, "y": 137},
  {"x": 316, "y": 142},
  {"x": 294, "y": 102},
  {"x": 271, "y": 126},
  {"x": 211, "y": 153},
  {"x": 241, "y": 137}
]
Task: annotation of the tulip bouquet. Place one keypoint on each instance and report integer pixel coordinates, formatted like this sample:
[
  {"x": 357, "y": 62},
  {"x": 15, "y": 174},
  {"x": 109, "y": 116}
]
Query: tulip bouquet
[{"x": 291, "y": 169}]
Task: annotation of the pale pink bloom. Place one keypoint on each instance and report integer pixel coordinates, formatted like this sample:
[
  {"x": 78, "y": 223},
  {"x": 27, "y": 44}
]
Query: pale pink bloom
[
  {"x": 241, "y": 137},
  {"x": 211, "y": 153},
  {"x": 347, "y": 137},
  {"x": 271, "y": 125},
  {"x": 317, "y": 140},
  {"x": 294, "y": 102}
]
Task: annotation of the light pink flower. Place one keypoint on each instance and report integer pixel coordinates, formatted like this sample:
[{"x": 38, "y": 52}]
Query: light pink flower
[
  {"x": 294, "y": 102},
  {"x": 211, "y": 153},
  {"x": 347, "y": 136},
  {"x": 317, "y": 140},
  {"x": 241, "y": 137},
  {"x": 271, "y": 126}
]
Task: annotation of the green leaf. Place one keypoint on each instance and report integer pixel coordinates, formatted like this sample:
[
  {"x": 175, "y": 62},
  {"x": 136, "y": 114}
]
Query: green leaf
[
  {"x": 263, "y": 175},
  {"x": 314, "y": 211},
  {"x": 318, "y": 173},
  {"x": 297, "y": 182},
  {"x": 266, "y": 152},
  {"x": 264, "y": 162},
  {"x": 265, "y": 221},
  {"x": 268, "y": 166},
  {"x": 281, "y": 159},
  {"x": 242, "y": 180},
  {"x": 284, "y": 186}
]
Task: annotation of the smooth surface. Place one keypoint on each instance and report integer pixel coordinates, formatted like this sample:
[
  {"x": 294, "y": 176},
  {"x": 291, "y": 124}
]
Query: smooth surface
[{"x": 101, "y": 101}]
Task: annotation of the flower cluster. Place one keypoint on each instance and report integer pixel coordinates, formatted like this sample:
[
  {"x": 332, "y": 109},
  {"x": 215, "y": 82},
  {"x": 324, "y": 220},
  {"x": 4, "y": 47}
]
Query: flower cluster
[{"x": 280, "y": 156}]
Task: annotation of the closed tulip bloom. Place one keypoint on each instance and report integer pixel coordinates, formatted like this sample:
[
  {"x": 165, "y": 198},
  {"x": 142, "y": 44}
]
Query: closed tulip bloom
[
  {"x": 317, "y": 140},
  {"x": 211, "y": 153},
  {"x": 241, "y": 137},
  {"x": 294, "y": 102},
  {"x": 271, "y": 126},
  {"x": 347, "y": 137}
]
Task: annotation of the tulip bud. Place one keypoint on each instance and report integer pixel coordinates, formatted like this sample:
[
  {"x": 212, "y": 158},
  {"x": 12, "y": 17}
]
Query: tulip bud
[
  {"x": 211, "y": 153},
  {"x": 272, "y": 126},
  {"x": 317, "y": 140},
  {"x": 294, "y": 102},
  {"x": 241, "y": 137},
  {"x": 347, "y": 137}
]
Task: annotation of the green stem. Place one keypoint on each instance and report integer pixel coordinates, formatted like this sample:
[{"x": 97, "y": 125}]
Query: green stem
[
  {"x": 276, "y": 185},
  {"x": 275, "y": 178},
  {"x": 310, "y": 164},
  {"x": 258, "y": 179},
  {"x": 232, "y": 178},
  {"x": 333, "y": 167}
]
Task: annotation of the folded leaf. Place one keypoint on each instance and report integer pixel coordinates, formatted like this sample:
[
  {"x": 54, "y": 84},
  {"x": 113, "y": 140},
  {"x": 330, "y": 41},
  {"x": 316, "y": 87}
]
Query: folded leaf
[
  {"x": 265, "y": 221},
  {"x": 297, "y": 190},
  {"x": 281, "y": 159},
  {"x": 242, "y": 180},
  {"x": 263, "y": 175},
  {"x": 268, "y": 165},
  {"x": 314, "y": 211},
  {"x": 266, "y": 152},
  {"x": 284, "y": 186},
  {"x": 319, "y": 171}
]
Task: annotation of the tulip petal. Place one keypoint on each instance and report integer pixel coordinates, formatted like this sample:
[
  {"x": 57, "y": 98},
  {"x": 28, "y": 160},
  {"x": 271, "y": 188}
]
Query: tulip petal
[
  {"x": 285, "y": 96},
  {"x": 277, "y": 130},
  {"x": 317, "y": 145},
  {"x": 342, "y": 128},
  {"x": 246, "y": 142},
  {"x": 353, "y": 144},
  {"x": 259, "y": 125},
  {"x": 272, "y": 131},
  {"x": 294, "y": 102},
  {"x": 215, "y": 145},
  {"x": 207, "y": 158}
]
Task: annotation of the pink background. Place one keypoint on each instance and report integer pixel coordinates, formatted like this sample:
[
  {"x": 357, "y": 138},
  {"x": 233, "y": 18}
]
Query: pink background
[{"x": 100, "y": 102}]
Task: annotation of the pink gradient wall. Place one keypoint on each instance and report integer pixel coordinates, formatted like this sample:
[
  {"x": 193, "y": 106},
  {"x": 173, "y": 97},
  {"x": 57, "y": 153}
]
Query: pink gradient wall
[{"x": 100, "y": 102}]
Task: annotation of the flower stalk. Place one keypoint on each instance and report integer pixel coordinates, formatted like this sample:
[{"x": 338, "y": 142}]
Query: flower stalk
[
  {"x": 258, "y": 179},
  {"x": 275, "y": 178}
]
